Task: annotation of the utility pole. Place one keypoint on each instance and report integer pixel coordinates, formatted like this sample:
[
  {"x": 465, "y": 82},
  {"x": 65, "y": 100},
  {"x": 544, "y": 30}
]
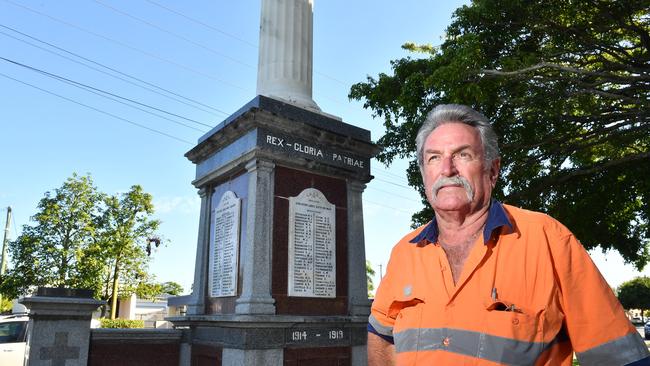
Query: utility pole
[
  {"x": 381, "y": 272},
  {"x": 3, "y": 262}
]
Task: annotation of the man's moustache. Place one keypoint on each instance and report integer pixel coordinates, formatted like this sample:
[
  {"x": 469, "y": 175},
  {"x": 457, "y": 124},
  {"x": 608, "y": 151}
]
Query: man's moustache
[{"x": 453, "y": 181}]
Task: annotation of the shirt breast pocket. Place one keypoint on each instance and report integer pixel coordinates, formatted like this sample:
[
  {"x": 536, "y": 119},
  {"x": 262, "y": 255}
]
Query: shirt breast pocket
[
  {"x": 519, "y": 325},
  {"x": 407, "y": 312},
  {"x": 513, "y": 336}
]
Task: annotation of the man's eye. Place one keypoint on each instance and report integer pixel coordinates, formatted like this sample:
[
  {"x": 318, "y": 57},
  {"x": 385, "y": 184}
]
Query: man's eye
[
  {"x": 434, "y": 158},
  {"x": 463, "y": 155}
]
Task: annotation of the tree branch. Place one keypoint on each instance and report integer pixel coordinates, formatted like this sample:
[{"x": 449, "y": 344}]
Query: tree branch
[
  {"x": 540, "y": 184},
  {"x": 555, "y": 66}
]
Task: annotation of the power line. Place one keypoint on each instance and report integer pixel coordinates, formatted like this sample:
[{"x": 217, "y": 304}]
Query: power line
[
  {"x": 386, "y": 206},
  {"x": 232, "y": 36},
  {"x": 111, "y": 69},
  {"x": 123, "y": 45},
  {"x": 149, "y": 54},
  {"x": 394, "y": 195},
  {"x": 393, "y": 183},
  {"x": 98, "y": 110},
  {"x": 401, "y": 180},
  {"x": 201, "y": 23},
  {"x": 121, "y": 12},
  {"x": 206, "y": 47},
  {"x": 161, "y": 29},
  {"x": 111, "y": 96},
  {"x": 384, "y": 171},
  {"x": 157, "y": 57}
]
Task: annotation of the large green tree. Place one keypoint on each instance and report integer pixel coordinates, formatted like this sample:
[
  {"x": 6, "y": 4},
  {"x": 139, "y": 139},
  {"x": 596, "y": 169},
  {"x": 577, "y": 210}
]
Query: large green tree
[
  {"x": 53, "y": 251},
  {"x": 127, "y": 234},
  {"x": 82, "y": 238},
  {"x": 567, "y": 87},
  {"x": 635, "y": 294}
]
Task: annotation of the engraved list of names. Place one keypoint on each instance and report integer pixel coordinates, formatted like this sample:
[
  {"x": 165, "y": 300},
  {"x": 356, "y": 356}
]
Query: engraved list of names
[
  {"x": 312, "y": 245},
  {"x": 224, "y": 251}
]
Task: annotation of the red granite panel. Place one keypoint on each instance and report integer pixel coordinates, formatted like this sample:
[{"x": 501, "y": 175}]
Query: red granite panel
[
  {"x": 289, "y": 183},
  {"x": 330, "y": 356},
  {"x": 203, "y": 355},
  {"x": 120, "y": 354}
]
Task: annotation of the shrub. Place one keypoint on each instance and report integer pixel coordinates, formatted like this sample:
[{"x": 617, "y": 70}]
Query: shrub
[{"x": 121, "y": 323}]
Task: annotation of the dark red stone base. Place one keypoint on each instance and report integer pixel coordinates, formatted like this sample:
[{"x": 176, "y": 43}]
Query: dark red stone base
[{"x": 330, "y": 356}]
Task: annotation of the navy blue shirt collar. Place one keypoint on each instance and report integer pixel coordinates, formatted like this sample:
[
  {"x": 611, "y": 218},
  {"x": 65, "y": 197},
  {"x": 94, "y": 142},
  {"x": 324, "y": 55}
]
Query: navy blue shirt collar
[{"x": 497, "y": 217}]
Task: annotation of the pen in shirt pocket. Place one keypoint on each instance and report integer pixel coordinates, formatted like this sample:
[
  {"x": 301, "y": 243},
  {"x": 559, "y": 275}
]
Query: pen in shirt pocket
[{"x": 500, "y": 305}]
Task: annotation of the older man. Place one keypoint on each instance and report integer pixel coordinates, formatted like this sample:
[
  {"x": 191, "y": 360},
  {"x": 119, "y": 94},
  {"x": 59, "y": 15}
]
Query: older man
[{"x": 485, "y": 283}]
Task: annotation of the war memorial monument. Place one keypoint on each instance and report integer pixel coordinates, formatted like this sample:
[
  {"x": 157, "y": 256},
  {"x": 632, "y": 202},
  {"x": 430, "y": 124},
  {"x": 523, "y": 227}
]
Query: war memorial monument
[{"x": 280, "y": 276}]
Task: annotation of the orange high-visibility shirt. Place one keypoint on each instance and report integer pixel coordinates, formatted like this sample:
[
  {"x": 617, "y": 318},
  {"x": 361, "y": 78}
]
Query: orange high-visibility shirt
[{"x": 529, "y": 294}]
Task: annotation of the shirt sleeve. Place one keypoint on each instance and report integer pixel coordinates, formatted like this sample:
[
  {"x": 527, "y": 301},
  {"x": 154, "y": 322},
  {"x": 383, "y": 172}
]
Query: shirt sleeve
[
  {"x": 596, "y": 323},
  {"x": 380, "y": 321}
]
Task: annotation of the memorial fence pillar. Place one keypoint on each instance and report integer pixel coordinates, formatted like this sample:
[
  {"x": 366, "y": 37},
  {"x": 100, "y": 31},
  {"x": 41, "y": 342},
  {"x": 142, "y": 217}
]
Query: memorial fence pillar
[
  {"x": 59, "y": 329},
  {"x": 255, "y": 254}
]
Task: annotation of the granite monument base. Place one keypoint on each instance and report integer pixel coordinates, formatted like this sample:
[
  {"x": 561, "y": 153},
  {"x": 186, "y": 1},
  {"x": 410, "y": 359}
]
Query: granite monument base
[{"x": 277, "y": 340}]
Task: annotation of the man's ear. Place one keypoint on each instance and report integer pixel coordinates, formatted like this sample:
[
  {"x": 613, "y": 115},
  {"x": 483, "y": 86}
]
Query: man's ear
[{"x": 494, "y": 171}]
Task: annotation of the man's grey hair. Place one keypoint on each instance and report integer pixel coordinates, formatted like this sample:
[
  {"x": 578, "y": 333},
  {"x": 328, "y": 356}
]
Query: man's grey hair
[{"x": 457, "y": 113}]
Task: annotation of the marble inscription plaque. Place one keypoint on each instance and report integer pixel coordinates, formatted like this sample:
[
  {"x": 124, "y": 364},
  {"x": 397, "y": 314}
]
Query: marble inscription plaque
[
  {"x": 224, "y": 249},
  {"x": 312, "y": 245}
]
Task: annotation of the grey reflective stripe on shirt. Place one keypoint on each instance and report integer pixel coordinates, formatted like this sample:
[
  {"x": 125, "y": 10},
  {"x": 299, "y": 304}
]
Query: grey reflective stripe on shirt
[
  {"x": 381, "y": 329},
  {"x": 474, "y": 344},
  {"x": 621, "y": 351}
]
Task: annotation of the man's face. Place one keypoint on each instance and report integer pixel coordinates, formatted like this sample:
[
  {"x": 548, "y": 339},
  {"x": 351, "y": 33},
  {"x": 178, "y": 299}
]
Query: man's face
[{"x": 455, "y": 178}]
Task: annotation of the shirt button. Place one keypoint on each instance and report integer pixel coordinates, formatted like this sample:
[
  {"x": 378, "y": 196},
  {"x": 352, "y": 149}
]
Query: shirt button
[
  {"x": 445, "y": 342},
  {"x": 515, "y": 321}
]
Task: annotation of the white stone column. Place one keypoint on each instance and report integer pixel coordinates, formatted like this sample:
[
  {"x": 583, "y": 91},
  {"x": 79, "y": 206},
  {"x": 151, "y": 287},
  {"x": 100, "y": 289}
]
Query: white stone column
[
  {"x": 256, "y": 249},
  {"x": 357, "y": 280},
  {"x": 358, "y": 304},
  {"x": 197, "y": 302},
  {"x": 286, "y": 51}
]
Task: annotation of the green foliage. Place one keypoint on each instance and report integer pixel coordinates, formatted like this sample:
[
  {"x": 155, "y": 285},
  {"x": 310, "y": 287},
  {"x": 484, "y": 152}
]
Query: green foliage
[
  {"x": 369, "y": 273},
  {"x": 635, "y": 294},
  {"x": 148, "y": 290},
  {"x": 126, "y": 236},
  {"x": 82, "y": 238},
  {"x": 566, "y": 86},
  {"x": 53, "y": 251},
  {"x": 6, "y": 305},
  {"x": 121, "y": 323},
  {"x": 171, "y": 288}
]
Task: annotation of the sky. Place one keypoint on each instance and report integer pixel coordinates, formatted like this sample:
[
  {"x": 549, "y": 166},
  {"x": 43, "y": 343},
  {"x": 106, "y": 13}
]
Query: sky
[{"x": 121, "y": 90}]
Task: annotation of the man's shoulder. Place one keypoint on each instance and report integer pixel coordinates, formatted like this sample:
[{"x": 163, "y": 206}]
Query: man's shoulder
[
  {"x": 528, "y": 216},
  {"x": 523, "y": 218}
]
